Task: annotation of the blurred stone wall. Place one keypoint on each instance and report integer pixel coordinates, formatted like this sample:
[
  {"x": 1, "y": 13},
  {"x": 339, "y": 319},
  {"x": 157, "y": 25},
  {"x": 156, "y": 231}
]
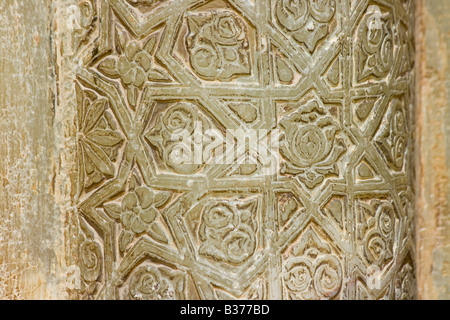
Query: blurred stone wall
[{"x": 433, "y": 152}]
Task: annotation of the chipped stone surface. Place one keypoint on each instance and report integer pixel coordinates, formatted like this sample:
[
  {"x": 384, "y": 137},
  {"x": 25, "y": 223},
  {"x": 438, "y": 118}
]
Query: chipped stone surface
[{"x": 433, "y": 154}]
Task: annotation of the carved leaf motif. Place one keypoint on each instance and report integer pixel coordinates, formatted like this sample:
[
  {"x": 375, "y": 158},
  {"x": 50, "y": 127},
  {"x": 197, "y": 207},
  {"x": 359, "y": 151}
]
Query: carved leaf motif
[
  {"x": 364, "y": 108},
  {"x": 132, "y": 93},
  {"x": 125, "y": 238},
  {"x": 98, "y": 157},
  {"x": 81, "y": 169},
  {"x": 93, "y": 114},
  {"x": 106, "y": 138},
  {"x": 158, "y": 75},
  {"x": 113, "y": 210},
  {"x": 245, "y": 110},
  {"x": 284, "y": 72},
  {"x": 161, "y": 199},
  {"x": 144, "y": 2},
  {"x": 108, "y": 67},
  {"x": 157, "y": 233},
  {"x": 392, "y": 139},
  {"x": 150, "y": 45},
  {"x": 80, "y": 106},
  {"x": 375, "y": 54},
  {"x": 97, "y": 140},
  {"x": 288, "y": 209},
  {"x": 121, "y": 40}
]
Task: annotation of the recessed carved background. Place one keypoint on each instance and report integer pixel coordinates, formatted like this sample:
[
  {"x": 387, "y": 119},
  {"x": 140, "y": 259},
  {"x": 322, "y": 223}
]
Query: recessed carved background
[{"x": 334, "y": 77}]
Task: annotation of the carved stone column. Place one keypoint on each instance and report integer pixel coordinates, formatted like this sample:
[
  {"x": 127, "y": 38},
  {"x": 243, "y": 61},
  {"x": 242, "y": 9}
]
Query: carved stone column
[{"x": 334, "y": 78}]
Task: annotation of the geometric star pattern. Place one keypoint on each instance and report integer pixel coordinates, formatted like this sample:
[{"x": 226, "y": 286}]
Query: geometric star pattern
[{"x": 334, "y": 222}]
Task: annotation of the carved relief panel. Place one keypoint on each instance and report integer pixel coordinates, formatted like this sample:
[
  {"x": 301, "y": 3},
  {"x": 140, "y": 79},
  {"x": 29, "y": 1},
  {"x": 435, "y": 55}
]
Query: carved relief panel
[{"x": 331, "y": 81}]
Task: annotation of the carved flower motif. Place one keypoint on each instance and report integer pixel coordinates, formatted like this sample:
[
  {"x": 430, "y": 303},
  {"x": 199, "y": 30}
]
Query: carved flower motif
[
  {"x": 90, "y": 260},
  {"x": 133, "y": 65},
  {"x": 138, "y": 215},
  {"x": 313, "y": 272},
  {"x": 84, "y": 14},
  {"x": 375, "y": 45},
  {"x": 180, "y": 117},
  {"x": 306, "y": 20},
  {"x": 298, "y": 278},
  {"x": 138, "y": 210},
  {"x": 228, "y": 30},
  {"x": 405, "y": 283},
  {"x": 311, "y": 144},
  {"x": 228, "y": 231},
  {"x": 393, "y": 137},
  {"x": 218, "y": 45},
  {"x": 151, "y": 284},
  {"x": 97, "y": 141},
  {"x": 376, "y": 221},
  {"x": 173, "y": 137},
  {"x": 239, "y": 244}
]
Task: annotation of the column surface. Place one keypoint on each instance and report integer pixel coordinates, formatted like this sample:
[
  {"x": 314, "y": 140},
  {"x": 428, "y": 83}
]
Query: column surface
[
  {"x": 147, "y": 199},
  {"x": 330, "y": 218}
]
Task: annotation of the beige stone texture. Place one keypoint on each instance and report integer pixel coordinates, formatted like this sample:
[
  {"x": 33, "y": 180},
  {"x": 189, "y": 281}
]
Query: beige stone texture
[
  {"x": 433, "y": 149},
  {"x": 92, "y": 208},
  {"x": 31, "y": 229}
]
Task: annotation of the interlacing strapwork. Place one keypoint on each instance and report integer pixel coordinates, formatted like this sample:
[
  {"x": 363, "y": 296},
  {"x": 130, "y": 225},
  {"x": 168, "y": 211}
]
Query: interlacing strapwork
[{"x": 162, "y": 80}]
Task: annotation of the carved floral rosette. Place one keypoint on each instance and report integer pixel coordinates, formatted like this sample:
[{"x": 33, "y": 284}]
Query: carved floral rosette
[
  {"x": 218, "y": 45},
  {"x": 156, "y": 283},
  {"x": 138, "y": 214},
  {"x": 393, "y": 138},
  {"x": 376, "y": 221},
  {"x": 228, "y": 231},
  {"x": 133, "y": 64},
  {"x": 312, "y": 271},
  {"x": 307, "y": 21},
  {"x": 375, "y": 45},
  {"x": 312, "y": 144},
  {"x": 175, "y": 134}
]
